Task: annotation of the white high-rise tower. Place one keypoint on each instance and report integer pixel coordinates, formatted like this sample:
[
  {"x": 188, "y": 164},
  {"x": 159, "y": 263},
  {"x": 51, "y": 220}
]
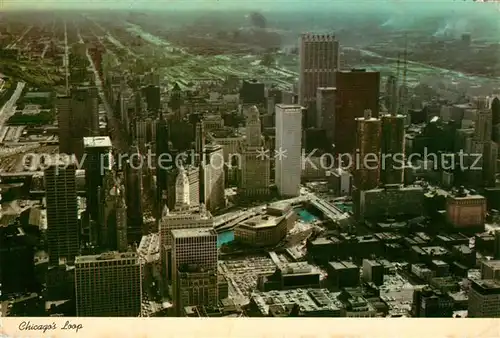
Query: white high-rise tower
[{"x": 288, "y": 149}]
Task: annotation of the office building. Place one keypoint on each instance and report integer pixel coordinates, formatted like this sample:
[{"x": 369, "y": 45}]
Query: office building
[
  {"x": 114, "y": 231},
  {"x": 484, "y": 298},
  {"x": 386, "y": 202},
  {"x": 133, "y": 191},
  {"x": 490, "y": 163},
  {"x": 391, "y": 95},
  {"x": 496, "y": 252},
  {"x": 367, "y": 163},
  {"x": 65, "y": 124},
  {"x": 144, "y": 130},
  {"x": 252, "y": 93},
  {"x": 62, "y": 213},
  {"x": 197, "y": 287},
  {"x": 495, "y": 110},
  {"x": 17, "y": 266},
  {"x": 319, "y": 60},
  {"x": 162, "y": 162},
  {"x": 288, "y": 149},
  {"x": 194, "y": 247},
  {"x": 431, "y": 304},
  {"x": 78, "y": 117},
  {"x": 373, "y": 272},
  {"x": 176, "y": 100},
  {"x": 490, "y": 269},
  {"x": 325, "y": 110},
  {"x": 357, "y": 91},
  {"x": 183, "y": 218},
  {"x": 281, "y": 303},
  {"x": 108, "y": 285},
  {"x": 152, "y": 95},
  {"x": 343, "y": 274},
  {"x": 255, "y": 168},
  {"x": 483, "y": 125},
  {"x": 340, "y": 181},
  {"x": 98, "y": 160},
  {"x": 466, "y": 211},
  {"x": 213, "y": 177},
  {"x": 195, "y": 193},
  {"x": 392, "y": 149}
]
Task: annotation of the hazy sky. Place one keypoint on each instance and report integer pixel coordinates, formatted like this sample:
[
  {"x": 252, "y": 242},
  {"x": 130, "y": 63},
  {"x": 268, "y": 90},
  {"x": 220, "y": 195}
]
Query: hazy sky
[{"x": 216, "y": 4}]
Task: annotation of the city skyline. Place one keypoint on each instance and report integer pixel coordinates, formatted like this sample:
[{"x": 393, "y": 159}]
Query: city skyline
[{"x": 294, "y": 160}]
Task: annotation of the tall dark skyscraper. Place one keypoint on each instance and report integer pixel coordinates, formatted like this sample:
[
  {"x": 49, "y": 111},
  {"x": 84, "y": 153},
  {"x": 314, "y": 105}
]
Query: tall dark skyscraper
[
  {"x": 17, "y": 267},
  {"x": 133, "y": 190},
  {"x": 152, "y": 96},
  {"x": 495, "y": 110},
  {"x": 78, "y": 117},
  {"x": 367, "y": 172},
  {"x": 252, "y": 93},
  {"x": 62, "y": 213},
  {"x": 162, "y": 164},
  {"x": 175, "y": 102},
  {"x": 357, "y": 90},
  {"x": 97, "y": 162},
  {"x": 391, "y": 94},
  {"x": 319, "y": 60},
  {"x": 392, "y": 149}
]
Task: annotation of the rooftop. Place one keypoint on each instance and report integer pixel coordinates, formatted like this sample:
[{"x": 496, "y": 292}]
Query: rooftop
[
  {"x": 486, "y": 285},
  {"x": 195, "y": 232},
  {"x": 342, "y": 265},
  {"x": 290, "y": 106},
  {"x": 309, "y": 300},
  {"x": 261, "y": 221},
  {"x": 97, "y": 142},
  {"x": 493, "y": 264},
  {"x": 108, "y": 256}
]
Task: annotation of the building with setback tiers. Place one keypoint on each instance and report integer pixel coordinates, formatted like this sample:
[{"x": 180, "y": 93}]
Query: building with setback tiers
[
  {"x": 184, "y": 216},
  {"x": 255, "y": 168},
  {"x": 319, "y": 60},
  {"x": 213, "y": 177},
  {"x": 357, "y": 90}
]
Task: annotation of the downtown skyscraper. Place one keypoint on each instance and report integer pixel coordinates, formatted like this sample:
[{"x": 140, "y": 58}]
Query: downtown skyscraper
[
  {"x": 62, "y": 213},
  {"x": 319, "y": 60}
]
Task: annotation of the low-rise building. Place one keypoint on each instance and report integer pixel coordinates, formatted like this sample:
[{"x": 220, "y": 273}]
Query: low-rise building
[
  {"x": 267, "y": 228},
  {"x": 466, "y": 211},
  {"x": 310, "y": 302}
]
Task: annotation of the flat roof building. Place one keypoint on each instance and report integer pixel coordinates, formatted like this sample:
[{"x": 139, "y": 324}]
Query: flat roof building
[
  {"x": 484, "y": 298},
  {"x": 108, "y": 285}
]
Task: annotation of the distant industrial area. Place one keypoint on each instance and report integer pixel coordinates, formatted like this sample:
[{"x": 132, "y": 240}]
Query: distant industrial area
[{"x": 257, "y": 216}]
